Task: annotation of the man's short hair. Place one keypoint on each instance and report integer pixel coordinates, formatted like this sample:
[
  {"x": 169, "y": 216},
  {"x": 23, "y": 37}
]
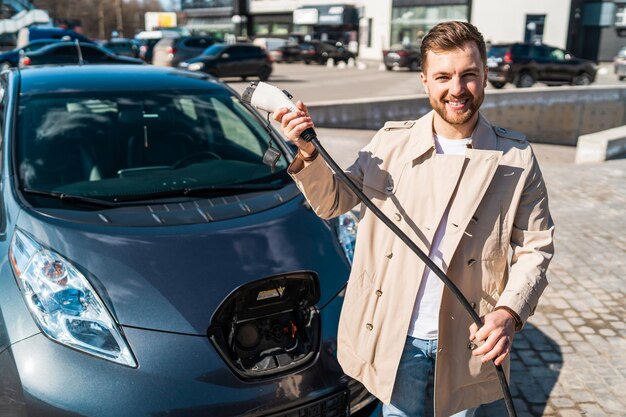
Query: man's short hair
[{"x": 447, "y": 36}]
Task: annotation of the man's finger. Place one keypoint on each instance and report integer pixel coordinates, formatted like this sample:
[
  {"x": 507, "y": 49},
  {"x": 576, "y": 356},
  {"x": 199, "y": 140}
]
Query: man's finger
[
  {"x": 487, "y": 346},
  {"x": 301, "y": 106},
  {"x": 500, "y": 347}
]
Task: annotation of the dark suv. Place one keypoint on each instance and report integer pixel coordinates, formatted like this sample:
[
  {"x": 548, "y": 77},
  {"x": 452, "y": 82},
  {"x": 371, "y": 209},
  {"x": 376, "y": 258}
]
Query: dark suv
[
  {"x": 523, "y": 64},
  {"x": 169, "y": 52},
  {"x": 321, "y": 51},
  {"x": 232, "y": 60}
]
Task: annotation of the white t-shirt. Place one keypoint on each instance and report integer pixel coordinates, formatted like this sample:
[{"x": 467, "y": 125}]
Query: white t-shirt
[{"x": 425, "y": 317}]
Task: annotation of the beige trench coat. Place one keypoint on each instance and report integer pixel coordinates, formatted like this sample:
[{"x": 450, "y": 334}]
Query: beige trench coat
[{"x": 500, "y": 202}]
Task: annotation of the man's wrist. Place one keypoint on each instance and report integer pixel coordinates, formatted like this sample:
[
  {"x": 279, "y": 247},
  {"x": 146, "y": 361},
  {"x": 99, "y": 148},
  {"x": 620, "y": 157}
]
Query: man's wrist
[
  {"x": 307, "y": 156},
  {"x": 514, "y": 315}
]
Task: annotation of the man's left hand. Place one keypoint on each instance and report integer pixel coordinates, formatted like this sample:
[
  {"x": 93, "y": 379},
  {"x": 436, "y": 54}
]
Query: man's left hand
[{"x": 497, "y": 333}]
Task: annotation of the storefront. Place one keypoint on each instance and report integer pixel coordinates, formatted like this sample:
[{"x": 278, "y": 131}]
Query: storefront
[
  {"x": 412, "y": 19},
  {"x": 331, "y": 22},
  {"x": 211, "y": 17},
  {"x": 272, "y": 25}
]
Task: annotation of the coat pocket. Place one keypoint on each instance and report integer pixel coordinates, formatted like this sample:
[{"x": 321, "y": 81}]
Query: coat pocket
[{"x": 485, "y": 229}]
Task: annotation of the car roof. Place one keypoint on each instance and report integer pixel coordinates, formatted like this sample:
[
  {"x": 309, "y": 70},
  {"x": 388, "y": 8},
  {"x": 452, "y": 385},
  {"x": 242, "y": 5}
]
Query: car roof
[{"x": 119, "y": 78}]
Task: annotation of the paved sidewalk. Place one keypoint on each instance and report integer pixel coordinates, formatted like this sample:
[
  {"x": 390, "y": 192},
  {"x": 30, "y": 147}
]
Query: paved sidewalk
[{"x": 570, "y": 359}]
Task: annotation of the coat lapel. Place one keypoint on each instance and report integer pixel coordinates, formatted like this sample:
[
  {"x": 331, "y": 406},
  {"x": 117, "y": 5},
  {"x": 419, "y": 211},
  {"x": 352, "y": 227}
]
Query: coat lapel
[{"x": 480, "y": 167}]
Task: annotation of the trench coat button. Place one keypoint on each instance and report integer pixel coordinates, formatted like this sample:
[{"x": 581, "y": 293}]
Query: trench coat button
[
  {"x": 471, "y": 346},
  {"x": 379, "y": 293},
  {"x": 471, "y": 262},
  {"x": 389, "y": 254},
  {"x": 389, "y": 187},
  {"x": 397, "y": 217},
  {"x": 474, "y": 306},
  {"x": 474, "y": 219},
  {"x": 369, "y": 326}
]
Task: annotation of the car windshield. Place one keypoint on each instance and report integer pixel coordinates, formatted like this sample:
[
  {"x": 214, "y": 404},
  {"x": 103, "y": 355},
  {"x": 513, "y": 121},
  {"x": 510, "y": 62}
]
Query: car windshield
[
  {"x": 497, "y": 51},
  {"x": 214, "y": 50},
  {"x": 118, "y": 147}
]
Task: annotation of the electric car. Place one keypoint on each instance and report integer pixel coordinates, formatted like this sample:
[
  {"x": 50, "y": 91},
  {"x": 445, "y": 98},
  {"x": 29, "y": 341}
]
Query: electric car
[{"x": 154, "y": 265}]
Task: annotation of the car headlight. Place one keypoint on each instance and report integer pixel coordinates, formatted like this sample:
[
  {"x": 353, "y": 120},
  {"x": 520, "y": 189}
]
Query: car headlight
[
  {"x": 64, "y": 304},
  {"x": 346, "y": 227},
  {"x": 196, "y": 66}
]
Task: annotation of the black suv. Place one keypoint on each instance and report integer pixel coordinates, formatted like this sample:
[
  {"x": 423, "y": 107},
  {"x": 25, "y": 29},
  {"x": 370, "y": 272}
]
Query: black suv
[
  {"x": 321, "y": 51},
  {"x": 232, "y": 60},
  {"x": 523, "y": 64}
]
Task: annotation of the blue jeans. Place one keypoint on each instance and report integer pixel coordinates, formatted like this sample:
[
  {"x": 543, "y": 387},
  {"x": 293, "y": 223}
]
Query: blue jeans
[{"x": 413, "y": 389}]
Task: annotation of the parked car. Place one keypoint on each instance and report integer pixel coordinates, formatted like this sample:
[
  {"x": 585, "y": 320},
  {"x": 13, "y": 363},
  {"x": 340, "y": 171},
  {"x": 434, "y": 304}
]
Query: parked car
[
  {"x": 232, "y": 60},
  {"x": 169, "y": 52},
  {"x": 29, "y": 34},
  {"x": 524, "y": 64},
  {"x": 403, "y": 56},
  {"x": 321, "y": 51},
  {"x": 123, "y": 47},
  {"x": 154, "y": 264},
  {"x": 148, "y": 38},
  {"x": 619, "y": 64},
  {"x": 11, "y": 59},
  {"x": 71, "y": 53},
  {"x": 290, "y": 52},
  {"x": 279, "y": 49}
]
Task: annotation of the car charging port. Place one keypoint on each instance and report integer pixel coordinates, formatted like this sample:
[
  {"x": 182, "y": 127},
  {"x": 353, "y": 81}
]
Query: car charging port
[{"x": 268, "y": 326}]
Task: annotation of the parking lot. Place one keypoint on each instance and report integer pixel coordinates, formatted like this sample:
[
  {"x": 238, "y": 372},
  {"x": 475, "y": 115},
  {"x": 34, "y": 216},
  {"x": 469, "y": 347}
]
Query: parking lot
[{"x": 315, "y": 83}]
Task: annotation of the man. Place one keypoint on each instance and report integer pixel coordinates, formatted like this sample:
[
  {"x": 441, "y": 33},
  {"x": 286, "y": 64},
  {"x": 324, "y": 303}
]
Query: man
[{"x": 466, "y": 192}]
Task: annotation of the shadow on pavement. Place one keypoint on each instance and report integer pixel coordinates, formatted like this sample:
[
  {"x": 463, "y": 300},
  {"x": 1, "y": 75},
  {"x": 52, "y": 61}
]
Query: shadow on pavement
[{"x": 535, "y": 367}]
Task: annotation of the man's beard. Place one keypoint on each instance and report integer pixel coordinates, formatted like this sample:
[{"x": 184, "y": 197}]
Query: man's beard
[{"x": 455, "y": 118}]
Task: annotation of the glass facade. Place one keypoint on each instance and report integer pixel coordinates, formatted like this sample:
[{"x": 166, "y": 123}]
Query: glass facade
[
  {"x": 410, "y": 24},
  {"x": 202, "y": 4}
]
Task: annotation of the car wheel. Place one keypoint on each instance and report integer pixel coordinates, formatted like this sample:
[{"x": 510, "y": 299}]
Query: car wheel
[
  {"x": 307, "y": 62},
  {"x": 389, "y": 67},
  {"x": 525, "y": 80},
  {"x": 497, "y": 84},
  {"x": 244, "y": 78},
  {"x": 582, "y": 79},
  {"x": 414, "y": 66},
  {"x": 622, "y": 78},
  {"x": 264, "y": 73}
]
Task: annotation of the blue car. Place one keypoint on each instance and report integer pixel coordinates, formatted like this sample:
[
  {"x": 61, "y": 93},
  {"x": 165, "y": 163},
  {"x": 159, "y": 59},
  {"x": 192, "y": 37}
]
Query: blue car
[
  {"x": 11, "y": 58},
  {"x": 154, "y": 265}
]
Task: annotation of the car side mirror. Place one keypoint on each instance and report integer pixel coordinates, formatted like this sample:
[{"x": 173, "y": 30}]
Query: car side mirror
[{"x": 225, "y": 55}]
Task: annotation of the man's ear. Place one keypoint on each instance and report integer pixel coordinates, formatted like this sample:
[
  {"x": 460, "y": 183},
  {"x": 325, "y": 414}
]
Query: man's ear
[{"x": 424, "y": 82}]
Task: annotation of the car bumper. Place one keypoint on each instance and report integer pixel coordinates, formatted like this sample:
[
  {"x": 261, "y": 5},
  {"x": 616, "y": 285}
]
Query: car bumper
[
  {"x": 402, "y": 62},
  {"x": 177, "y": 375}
]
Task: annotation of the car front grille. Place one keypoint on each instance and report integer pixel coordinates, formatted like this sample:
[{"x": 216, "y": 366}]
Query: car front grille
[{"x": 334, "y": 406}]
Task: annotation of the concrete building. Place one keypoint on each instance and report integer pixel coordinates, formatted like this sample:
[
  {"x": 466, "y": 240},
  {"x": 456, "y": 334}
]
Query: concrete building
[{"x": 588, "y": 28}]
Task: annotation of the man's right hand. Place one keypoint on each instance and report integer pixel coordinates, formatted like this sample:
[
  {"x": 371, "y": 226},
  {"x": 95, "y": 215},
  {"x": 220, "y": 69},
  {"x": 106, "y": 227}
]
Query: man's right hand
[{"x": 292, "y": 125}]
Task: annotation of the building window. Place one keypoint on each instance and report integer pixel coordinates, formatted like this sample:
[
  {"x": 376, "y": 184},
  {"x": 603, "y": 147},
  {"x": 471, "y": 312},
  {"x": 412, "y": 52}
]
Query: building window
[
  {"x": 533, "y": 31},
  {"x": 410, "y": 24}
]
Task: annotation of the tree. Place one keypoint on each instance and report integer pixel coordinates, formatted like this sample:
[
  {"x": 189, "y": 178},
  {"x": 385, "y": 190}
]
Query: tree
[{"x": 99, "y": 18}]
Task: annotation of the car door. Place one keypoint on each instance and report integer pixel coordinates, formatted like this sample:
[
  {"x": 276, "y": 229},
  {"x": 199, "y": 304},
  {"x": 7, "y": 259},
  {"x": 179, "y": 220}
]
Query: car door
[
  {"x": 542, "y": 63},
  {"x": 564, "y": 69},
  {"x": 229, "y": 62}
]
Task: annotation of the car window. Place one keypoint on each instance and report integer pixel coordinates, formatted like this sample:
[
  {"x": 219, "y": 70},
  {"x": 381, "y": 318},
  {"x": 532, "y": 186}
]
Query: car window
[
  {"x": 558, "y": 54},
  {"x": 622, "y": 53},
  {"x": 125, "y": 145},
  {"x": 91, "y": 54},
  {"x": 198, "y": 43},
  {"x": 540, "y": 51},
  {"x": 64, "y": 51},
  {"x": 521, "y": 50},
  {"x": 238, "y": 52},
  {"x": 214, "y": 50}
]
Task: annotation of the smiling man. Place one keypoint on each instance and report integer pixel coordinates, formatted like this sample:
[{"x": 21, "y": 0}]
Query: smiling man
[{"x": 471, "y": 195}]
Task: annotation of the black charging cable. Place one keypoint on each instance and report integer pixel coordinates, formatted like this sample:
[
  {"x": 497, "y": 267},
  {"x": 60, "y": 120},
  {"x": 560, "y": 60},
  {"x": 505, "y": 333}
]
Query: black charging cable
[{"x": 309, "y": 135}]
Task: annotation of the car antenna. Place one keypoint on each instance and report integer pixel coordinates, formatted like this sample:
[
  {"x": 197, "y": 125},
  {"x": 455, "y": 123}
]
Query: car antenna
[{"x": 78, "y": 50}]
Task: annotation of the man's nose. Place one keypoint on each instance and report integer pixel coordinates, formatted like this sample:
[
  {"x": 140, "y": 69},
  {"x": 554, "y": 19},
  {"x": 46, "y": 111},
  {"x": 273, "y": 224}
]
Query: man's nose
[{"x": 457, "y": 87}]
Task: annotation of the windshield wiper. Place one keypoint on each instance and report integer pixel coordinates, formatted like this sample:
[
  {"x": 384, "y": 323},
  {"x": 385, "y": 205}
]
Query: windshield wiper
[
  {"x": 201, "y": 191},
  {"x": 69, "y": 198}
]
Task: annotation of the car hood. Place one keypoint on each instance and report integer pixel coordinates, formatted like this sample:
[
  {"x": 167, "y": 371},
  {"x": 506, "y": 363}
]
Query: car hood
[{"x": 173, "y": 278}]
